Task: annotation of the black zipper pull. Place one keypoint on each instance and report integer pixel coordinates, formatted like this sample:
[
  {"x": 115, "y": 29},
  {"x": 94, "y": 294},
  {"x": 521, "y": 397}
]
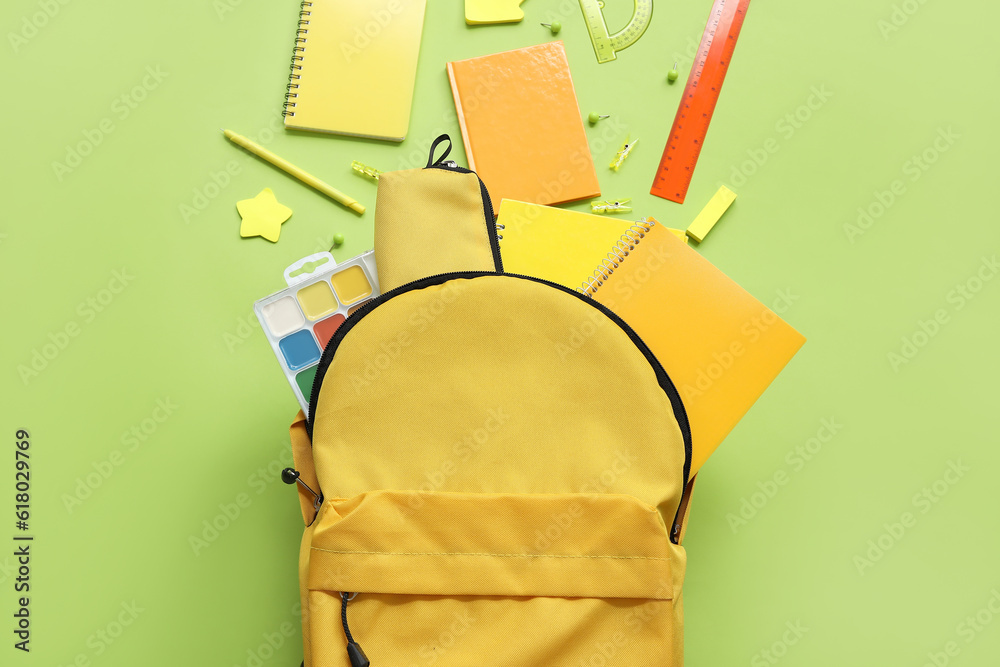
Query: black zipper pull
[
  {"x": 354, "y": 652},
  {"x": 431, "y": 160},
  {"x": 291, "y": 476}
]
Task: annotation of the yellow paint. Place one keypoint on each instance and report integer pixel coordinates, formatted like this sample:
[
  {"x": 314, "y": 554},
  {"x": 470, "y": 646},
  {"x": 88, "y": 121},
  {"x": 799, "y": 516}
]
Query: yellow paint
[
  {"x": 478, "y": 12},
  {"x": 262, "y": 216},
  {"x": 710, "y": 215},
  {"x": 317, "y": 300},
  {"x": 351, "y": 285}
]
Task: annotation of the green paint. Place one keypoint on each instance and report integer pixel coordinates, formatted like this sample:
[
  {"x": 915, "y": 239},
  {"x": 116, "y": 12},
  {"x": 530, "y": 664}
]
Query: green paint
[{"x": 305, "y": 380}]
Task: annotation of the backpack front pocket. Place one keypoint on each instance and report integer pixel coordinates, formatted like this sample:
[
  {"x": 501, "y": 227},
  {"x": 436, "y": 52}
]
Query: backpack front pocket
[{"x": 476, "y": 580}]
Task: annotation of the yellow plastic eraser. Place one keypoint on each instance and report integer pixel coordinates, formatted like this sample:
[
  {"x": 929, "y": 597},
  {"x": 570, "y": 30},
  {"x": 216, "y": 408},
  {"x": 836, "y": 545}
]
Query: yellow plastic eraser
[{"x": 710, "y": 215}]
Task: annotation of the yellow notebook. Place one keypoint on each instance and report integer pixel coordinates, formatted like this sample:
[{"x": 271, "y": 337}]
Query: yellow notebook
[
  {"x": 553, "y": 243},
  {"x": 720, "y": 346},
  {"x": 354, "y": 66}
]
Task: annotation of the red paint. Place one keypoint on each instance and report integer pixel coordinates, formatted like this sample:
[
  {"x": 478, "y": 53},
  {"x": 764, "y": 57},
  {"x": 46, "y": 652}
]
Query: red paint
[{"x": 325, "y": 329}]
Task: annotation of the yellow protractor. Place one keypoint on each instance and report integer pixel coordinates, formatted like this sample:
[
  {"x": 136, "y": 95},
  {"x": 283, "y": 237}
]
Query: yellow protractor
[{"x": 606, "y": 45}]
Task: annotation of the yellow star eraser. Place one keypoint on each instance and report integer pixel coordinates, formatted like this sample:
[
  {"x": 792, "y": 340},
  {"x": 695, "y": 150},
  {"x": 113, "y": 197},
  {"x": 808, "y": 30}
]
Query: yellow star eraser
[
  {"x": 710, "y": 215},
  {"x": 478, "y": 12},
  {"x": 262, "y": 216}
]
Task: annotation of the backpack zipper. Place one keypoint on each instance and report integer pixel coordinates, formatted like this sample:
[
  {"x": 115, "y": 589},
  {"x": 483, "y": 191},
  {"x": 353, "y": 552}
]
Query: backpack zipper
[
  {"x": 666, "y": 384},
  {"x": 354, "y": 652}
]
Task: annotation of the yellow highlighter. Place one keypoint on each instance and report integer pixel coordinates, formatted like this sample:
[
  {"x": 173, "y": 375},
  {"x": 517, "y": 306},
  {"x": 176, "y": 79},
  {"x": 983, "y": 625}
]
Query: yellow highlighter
[{"x": 291, "y": 169}]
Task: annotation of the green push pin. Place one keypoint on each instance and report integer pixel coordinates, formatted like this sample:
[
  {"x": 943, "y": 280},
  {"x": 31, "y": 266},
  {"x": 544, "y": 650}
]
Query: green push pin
[
  {"x": 673, "y": 74},
  {"x": 338, "y": 240},
  {"x": 594, "y": 117},
  {"x": 555, "y": 27}
]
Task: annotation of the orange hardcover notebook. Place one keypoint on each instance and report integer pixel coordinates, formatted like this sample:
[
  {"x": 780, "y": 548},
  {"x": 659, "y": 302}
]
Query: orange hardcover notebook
[
  {"x": 521, "y": 125},
  {"x": 719, "y": 345}
]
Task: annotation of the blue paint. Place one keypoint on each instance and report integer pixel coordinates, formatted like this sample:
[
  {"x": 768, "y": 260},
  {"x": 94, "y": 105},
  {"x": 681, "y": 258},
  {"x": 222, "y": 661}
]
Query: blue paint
[{"x": 299, "y": 350}]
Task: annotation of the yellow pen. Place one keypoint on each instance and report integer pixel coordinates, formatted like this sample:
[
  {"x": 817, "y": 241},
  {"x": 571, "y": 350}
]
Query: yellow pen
[{"x": 291, "y": 169}]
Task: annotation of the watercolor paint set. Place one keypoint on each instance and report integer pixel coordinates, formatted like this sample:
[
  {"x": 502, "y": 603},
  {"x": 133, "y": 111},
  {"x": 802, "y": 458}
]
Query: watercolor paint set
[{"x": 301, "y": 319}]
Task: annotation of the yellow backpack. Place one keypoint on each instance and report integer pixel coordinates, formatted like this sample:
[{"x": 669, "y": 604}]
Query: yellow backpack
[{"x": 494, "y": 470}]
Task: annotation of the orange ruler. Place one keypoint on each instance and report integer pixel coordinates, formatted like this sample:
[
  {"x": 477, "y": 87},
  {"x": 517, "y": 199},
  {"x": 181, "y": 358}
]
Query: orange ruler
[{"x": 701, "y": 93}]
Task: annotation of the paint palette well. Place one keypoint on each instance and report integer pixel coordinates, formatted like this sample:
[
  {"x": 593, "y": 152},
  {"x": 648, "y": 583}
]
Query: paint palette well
[{"x": 300, "y": 321}]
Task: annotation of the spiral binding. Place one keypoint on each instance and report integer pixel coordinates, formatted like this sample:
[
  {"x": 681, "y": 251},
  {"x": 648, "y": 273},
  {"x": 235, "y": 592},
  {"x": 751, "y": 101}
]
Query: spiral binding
[
  {"x": 626, "y": 244},
  {"x": 500, "y": 228},
  {"x": 297, "y": 55}
]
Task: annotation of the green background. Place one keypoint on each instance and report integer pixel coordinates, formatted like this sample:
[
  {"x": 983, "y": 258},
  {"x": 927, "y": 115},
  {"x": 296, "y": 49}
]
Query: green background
[{"x": 182, "y": 330}]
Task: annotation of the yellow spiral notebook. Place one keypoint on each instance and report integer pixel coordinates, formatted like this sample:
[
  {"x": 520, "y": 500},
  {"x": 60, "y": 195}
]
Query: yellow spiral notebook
[
  {"x": 719, "y": 345},
  {"x": 354, "y": 66},
  {"x": 554, "y": 243}
]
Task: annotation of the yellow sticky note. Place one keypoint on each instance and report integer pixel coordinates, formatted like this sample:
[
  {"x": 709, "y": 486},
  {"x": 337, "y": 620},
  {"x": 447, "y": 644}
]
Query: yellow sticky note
[
  {"x": 710, "y": 215},
  {"x": 493, "y": 11},
  {"x": 262, "y": 215}
]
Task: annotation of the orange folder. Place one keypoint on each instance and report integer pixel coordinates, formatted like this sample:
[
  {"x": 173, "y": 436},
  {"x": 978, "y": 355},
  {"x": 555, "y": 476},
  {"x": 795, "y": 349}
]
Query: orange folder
[
  {"x": 521, "y": 125},
  {"x": 720, "y": 346}
]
